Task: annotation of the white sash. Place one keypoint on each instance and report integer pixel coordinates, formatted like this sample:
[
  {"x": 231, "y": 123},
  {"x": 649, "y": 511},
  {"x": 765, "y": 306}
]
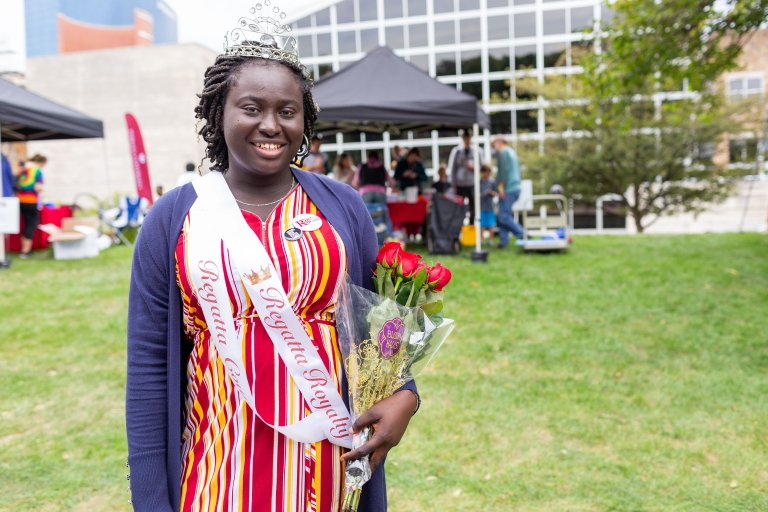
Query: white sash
[{"x": 215, "y": 217}]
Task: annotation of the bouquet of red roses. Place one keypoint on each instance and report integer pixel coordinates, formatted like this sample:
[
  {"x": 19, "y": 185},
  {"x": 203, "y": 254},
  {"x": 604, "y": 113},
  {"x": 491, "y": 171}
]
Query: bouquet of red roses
[{"x": 387, "y": 338}]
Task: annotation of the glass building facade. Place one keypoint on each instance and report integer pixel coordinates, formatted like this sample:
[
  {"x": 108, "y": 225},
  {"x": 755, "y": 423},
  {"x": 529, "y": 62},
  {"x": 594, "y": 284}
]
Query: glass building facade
[
  {"x": 42, "y": 25},
  {"x": 478, "y": 46}
]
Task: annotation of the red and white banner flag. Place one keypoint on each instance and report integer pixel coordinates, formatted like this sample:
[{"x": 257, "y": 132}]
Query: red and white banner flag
[{"x": 139, "y": 157}]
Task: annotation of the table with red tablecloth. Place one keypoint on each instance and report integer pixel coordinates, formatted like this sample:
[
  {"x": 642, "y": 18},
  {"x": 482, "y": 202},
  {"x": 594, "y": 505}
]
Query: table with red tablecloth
[
  {"x": 40, "y": 241},
  {"x": 408, "y": 216}
]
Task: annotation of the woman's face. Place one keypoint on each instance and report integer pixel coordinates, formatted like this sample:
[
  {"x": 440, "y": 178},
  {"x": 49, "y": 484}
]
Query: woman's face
[{"x": 263, "y": 118}]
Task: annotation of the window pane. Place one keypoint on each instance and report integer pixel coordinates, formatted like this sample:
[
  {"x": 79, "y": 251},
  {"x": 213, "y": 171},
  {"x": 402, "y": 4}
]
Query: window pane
[
  {"x": 367, "y": 10},
  {"x": 523, "y": 2},
  {"x": 498, "y": 27},
  {"x": 325, "y": 69},
  {"x": 497, "y": 3},
  {"x": 323, "y": 44},
  {"x": 606, "y": 14},
  {"x": 417, "y": 7},
  {"x": 445, "y": 32},
  {"x": 554, "y": 22},
  {"x": 470, "y": 62},
  {"x": 473, "y": 88},
  {"x": 445, "y": 64},
  {"x": 443, "y": 6},
  {"x": 469, "y": 5},
  {"x": 351, "y": 137},
  {"x": 526, "y": 121},
  {"x": 417, "y": 35},
  {"x": 444, "y": 152},
  {"x": 393, "y": 8},
  {"x": 345, "y": 11},
  {"x": 305, "y": 46},
  {"x": 470, "y": 30},
  {"x": 342, "y": 65},
  {"x": 373, "y": 137},
  {"x": 754, "y": 83},
  {"x": 498, "y": 59},
  {"x": 525, "y": 25},
  {"x": 737, "y": 85},
  {"x": 347, "y": 42},
  {"x": 501, "y": 122},
  {"x": 395, "y": 38},
  {"x": 304, "y": 22},
  {"x": 581, "y": 18},
  {"x": 522, "y": 95},
  {"x": 369, "y": 39},
  {"x": 323, "y": 18},
  {"x": 421, "y": 62},
  {"x": 499, "y": 91},
  {"x": 554, "y": 55},
  {"x": 525, "y": 57}
]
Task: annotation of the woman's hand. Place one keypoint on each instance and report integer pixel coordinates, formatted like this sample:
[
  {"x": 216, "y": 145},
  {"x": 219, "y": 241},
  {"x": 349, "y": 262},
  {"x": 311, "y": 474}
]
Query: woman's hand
[{"x": 389, "y": 418}]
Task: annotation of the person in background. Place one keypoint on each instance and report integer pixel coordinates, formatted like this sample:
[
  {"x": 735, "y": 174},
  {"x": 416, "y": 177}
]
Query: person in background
[
  {"x": 343, "y": 169},
  {"x": 398, "y": 153},
  {"x": 316, "y": 161},
  {"x": 509, "y": 179},
  {"x": 372, "y": 179},
  {"x": 30, "y": 184},
  {"x": 441, "y": 186},
  {"x": 8, "y": 178},
  {"x": 159, "y": 191},
  {"x": 461, "y": 165},
  {"x": 188, "y": 177},
  {"x": 409, "y": 171},
  {"x": 488, "y": 190}
]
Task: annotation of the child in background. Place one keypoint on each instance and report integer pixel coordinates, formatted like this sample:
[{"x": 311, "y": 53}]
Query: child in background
[
  {"x": 488, "y": 190},
  {"x": 441, "y": 186}
]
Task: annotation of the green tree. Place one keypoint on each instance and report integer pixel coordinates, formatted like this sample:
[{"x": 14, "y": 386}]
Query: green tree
[{"x": 647, "y": 115}]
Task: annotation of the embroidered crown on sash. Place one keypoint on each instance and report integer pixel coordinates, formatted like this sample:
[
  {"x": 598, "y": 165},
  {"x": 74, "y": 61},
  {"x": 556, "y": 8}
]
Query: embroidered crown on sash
[{"x": 258, "y": 277}]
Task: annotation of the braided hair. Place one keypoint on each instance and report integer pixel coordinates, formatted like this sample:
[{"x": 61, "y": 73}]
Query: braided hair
[{"x": 218, "y": 79}]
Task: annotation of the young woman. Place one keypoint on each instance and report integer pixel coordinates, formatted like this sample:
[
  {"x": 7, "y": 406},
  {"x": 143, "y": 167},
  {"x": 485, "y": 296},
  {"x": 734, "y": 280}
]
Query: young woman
[
  {"x": 30, "y": 185},
  {"x": 218, "y": 416},
  {"x": 344, "y": 170}
]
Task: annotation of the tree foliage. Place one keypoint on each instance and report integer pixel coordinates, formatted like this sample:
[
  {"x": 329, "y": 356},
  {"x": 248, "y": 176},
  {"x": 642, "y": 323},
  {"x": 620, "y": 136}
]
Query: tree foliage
[{"x": 646, "y": 117}]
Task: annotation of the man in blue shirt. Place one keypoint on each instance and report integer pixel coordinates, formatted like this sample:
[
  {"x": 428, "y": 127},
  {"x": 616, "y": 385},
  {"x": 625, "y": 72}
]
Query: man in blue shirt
[
  {"x": 508, "y": 179},
  {"x": 7, "y": 177}
]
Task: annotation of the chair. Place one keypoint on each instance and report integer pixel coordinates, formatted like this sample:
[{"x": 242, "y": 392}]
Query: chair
[{"x": 130, "y": 213}]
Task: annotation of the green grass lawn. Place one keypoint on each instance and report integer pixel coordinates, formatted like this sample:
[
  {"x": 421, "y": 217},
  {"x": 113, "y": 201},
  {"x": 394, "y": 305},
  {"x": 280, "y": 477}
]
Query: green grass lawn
[{"x": 629, "y": 374}]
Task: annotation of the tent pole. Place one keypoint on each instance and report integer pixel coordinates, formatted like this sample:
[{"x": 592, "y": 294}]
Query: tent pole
[{"x": 478, "y": 231}]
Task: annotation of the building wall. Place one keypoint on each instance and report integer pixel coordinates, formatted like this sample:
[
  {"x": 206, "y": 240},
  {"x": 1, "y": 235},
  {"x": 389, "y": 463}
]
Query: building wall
[
  {"x": 479, "y": 46},
  {"x": 43, "y": 25},
  {"x": 157, "y": 84}
]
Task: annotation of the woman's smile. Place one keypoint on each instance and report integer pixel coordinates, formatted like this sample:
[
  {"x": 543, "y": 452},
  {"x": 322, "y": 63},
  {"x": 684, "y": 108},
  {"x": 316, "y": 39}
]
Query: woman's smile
[{"x": 269, "y": 149}]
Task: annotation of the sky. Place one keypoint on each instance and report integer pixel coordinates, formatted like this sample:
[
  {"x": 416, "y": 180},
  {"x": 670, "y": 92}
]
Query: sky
[{"x": 206, "y": 21}]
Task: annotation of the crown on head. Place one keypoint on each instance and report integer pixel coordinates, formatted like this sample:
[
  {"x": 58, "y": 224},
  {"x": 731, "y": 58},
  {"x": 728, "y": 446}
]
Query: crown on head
[{"x": 263, "y": 36}]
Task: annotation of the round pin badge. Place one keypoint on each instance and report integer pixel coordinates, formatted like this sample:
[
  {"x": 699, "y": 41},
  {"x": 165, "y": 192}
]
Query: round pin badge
[
  {"x": 293, "y": 234},
  {"x": 307, "y": 222}
]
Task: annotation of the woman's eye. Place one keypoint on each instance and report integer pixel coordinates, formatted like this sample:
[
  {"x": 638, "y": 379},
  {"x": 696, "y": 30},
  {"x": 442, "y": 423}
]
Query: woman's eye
[
  {"x": 251, "y": 110},
  {"x": 287, "y": 112}
]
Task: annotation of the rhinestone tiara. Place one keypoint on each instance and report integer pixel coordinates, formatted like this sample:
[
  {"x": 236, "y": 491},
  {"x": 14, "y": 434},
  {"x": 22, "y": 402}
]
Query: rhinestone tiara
[{"x": 263, "y": 36}]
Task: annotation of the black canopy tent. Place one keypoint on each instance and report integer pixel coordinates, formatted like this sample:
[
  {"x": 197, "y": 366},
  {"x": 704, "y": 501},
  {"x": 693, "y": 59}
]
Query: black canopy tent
[
  {"x": 25, "y": 116},
  {"x": 381, "y": 92}
]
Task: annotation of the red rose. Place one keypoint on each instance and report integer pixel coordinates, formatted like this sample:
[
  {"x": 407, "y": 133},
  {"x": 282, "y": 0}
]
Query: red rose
[
  {"x": 409, "y": 264},
  {"x": 438, "y": 277},
  {"x": 389, "y": 255}
]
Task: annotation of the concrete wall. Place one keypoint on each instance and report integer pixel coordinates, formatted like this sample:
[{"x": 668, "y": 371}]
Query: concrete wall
[
  {"x": 157, "y": 84},
  {"x": 723, "y": 218}
]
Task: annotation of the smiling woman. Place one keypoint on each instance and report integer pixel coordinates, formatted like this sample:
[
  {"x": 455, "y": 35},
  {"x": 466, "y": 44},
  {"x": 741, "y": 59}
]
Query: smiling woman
[{"x": 233, "y": 296}]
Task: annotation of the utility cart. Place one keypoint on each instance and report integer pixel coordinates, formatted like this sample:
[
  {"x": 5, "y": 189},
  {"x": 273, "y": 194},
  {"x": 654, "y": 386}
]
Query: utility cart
[{"x": 545, "y": 233}]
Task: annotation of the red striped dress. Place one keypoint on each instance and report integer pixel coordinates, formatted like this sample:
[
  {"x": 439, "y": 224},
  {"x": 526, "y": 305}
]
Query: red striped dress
[{"x": 231, "y": 460}]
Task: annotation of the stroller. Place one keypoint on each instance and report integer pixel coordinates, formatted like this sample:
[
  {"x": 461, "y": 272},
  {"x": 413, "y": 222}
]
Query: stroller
[{"x": 444, "y": 225}]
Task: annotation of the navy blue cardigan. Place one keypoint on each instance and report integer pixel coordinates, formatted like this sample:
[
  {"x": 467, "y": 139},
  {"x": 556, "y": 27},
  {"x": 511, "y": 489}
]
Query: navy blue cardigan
[{"x": 158, "y": 350}]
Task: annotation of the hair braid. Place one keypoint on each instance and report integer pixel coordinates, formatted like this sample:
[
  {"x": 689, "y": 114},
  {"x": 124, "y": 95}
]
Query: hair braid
[{"x": 218, "y": 79}]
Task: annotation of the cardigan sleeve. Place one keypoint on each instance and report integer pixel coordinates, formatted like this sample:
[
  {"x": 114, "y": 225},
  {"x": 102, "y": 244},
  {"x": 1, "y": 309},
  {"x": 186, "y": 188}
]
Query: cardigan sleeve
[{"x": 147, "y": 382}]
